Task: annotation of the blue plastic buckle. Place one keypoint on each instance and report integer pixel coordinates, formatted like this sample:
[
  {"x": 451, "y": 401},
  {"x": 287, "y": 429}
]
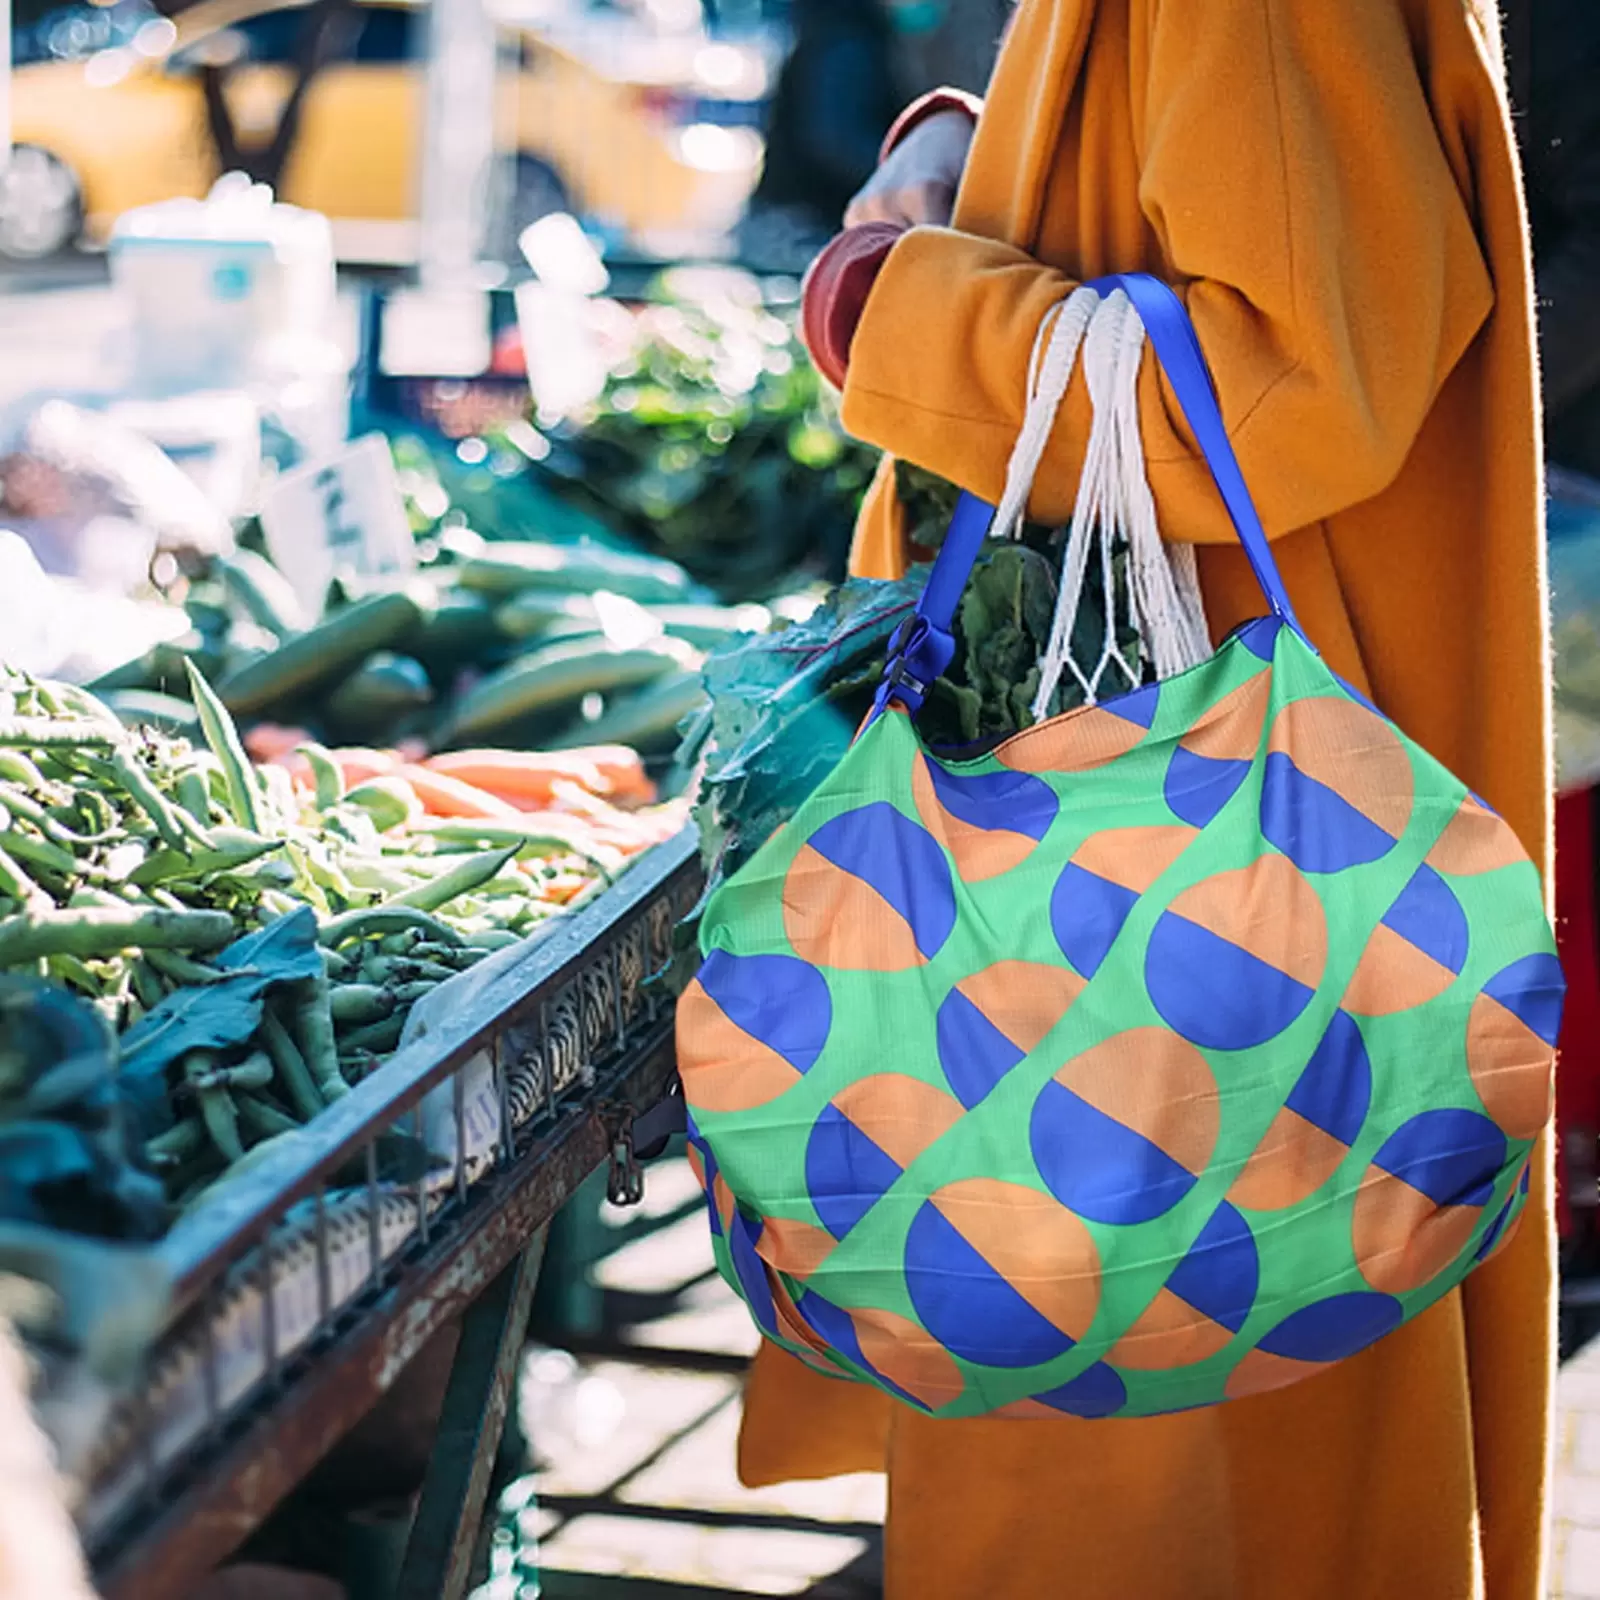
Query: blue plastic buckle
[{"x": 918, "y": 653}]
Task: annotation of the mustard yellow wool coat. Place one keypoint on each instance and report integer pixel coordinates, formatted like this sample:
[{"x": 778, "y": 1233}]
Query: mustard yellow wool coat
[{"x": 1331, "y": 184}]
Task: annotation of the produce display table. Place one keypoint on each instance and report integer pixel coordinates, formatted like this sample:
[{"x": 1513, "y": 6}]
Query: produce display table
[{"x": 304, "y": 1290}]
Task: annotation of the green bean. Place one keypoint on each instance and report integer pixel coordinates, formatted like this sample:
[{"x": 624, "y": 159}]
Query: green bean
[
  {"x": 379, "y": 879},
  {"x": 254, "y": 1072},
  {"x": 46, "y": 733},
  {"x": 314, "y": 1025},
  {"x": 378, "y": 1037},
  {"x": 338, "y": 966},
  {"x": 324, "y": 871},
  {"x": 147, "y": 984},
  {"x": 262, "y": 1119},
  {"x": 20, "y": 803},
  {"x": 532, "y": 836},
  {"x": 216, "y": 1105},
  {"x": 16, "y": 883},
  {"x": 290, "y": 1064},
  {"x": 325, "y": 772},
  {"x": 175, "y": 826},
  {"x": 16, "y": 768},
  {"x": 102, "y": 930},
  {"x": 90, "y": 806},
  {"x": 225, "y": 855},
  {"x": 245, "y": 797},
  {"x": 471, "y": 874},
  {"x": 180, "y": 969},
  {"x": 379, "y": 969},
  {"x": 194, "y": 797},
  {"x": 431, "y": 972},
  {"x": 353, "y": 1003},
  {"x": 492, "y": 939},
  {"x": 42, "y": 853},
  {"x": 181, "y": 1142},
  {"x": 69, "y": 969},
  {"x": 384, "y": 920},
  {"x": 64, "y": 699}
]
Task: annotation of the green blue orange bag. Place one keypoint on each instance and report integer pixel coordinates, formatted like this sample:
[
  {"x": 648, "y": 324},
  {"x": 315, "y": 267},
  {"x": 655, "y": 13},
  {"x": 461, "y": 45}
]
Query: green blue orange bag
[{"x": 1177, "y": 1047}]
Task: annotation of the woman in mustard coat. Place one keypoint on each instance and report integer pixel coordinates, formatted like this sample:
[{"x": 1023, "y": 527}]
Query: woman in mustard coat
[{"x": 1331, "y": 186}]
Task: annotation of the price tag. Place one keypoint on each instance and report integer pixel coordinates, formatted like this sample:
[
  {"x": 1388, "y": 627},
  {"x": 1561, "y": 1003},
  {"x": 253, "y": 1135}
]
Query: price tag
[{"x": 341, "y": 516}]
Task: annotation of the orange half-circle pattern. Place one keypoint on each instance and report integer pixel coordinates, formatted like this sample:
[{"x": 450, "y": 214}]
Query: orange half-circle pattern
[
  {"x": 1351, "y": 751},
  {"x": 1024, "y": 1000},
  {"x": 900, "y": 1114},
  {"x": 1475, "y": 841},
  {"x": 1294, "y": 1159},
  {"x": 834, "y": 919},
  {"x": 1171, "y": 1333},
  {"x": 797, "y": 1248},
  {"x": 1231, "y": 729},
  {"x": 1035, "y": 1244},
  {"x": 1079, "y": 741}
]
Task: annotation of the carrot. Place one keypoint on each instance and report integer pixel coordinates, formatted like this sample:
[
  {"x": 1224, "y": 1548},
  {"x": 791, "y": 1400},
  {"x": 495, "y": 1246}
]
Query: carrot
[
  {"x": 359, "y": 765},
  {"x": 270, "y": 741},
  {"x": 621, "y": 767},
  {"x": 445, "y": 796},
  {"x": 524, "y": 777}
]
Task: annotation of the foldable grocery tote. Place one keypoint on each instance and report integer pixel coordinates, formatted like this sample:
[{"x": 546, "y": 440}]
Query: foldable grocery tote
[{"x": 1176, "y": 1048}]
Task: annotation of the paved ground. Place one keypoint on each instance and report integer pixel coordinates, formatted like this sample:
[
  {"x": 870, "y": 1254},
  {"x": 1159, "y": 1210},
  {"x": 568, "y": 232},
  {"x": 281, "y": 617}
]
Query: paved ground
[
  {"x": 635, "y": 1497},
  {"x": 1575, "y": 1548}
]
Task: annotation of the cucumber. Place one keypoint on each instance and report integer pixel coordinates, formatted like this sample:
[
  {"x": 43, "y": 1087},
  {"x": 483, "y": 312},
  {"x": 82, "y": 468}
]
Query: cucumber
[
  {"x": 384, "y": 687},
  {"x": 508, "y": 569},
  {"x": 554, "y": 678},
  {"x": 262, "y": 593},
  {"x": 543, "y": 614},
  {"x": 326, "y": 653},
  {"x": 536, "y": 612},
  {"x": 136, "y": 708},
  {"x": 706, "y": 627},
  {"x": 647, "y": 720},
  {"x": 464, "y": 627}
]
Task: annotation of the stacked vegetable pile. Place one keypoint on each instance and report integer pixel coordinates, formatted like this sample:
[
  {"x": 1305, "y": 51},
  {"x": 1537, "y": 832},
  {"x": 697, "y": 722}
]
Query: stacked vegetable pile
[
  {"x": 520, "y": 643},
  {"x": 259, "y": 935},
  {"x": 714, "y": 442}
]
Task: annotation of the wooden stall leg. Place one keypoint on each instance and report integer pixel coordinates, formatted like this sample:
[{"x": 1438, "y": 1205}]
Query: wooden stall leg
[{"x": 438, "y": 1558}]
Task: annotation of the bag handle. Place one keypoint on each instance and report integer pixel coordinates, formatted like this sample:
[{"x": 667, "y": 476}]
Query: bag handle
[{"x": 925, "y": 647}]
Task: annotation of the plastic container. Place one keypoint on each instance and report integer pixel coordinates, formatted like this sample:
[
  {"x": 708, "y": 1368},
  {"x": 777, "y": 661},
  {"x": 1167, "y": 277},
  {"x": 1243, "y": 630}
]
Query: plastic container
[{"x": 225, "y": 292}]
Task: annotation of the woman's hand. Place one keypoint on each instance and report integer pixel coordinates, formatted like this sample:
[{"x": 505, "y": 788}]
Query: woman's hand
[{"x": 916, "y": 184}]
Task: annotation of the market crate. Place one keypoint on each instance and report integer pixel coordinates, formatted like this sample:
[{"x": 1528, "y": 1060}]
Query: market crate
[{"x": 302, "y": 1289}]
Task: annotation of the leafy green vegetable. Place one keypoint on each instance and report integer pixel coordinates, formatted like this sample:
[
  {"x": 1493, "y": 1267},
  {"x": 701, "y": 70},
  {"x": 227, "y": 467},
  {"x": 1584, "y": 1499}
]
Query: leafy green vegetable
[
  {"x": 717, "y": 444},
  {"x": 786, "y": 705},
  {"x": 217, "y": 1016},
  {"x": 64, "y": 1160}
]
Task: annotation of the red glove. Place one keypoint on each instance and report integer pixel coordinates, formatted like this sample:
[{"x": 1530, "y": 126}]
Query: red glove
[{"x": 835, "y": 294}]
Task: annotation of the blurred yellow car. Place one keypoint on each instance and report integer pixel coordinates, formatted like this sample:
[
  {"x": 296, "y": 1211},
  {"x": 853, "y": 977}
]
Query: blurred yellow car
[{"x": 581, "y": 131}]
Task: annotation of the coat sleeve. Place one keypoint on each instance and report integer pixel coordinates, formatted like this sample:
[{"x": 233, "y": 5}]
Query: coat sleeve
[{"x": 1292, "y": 177}]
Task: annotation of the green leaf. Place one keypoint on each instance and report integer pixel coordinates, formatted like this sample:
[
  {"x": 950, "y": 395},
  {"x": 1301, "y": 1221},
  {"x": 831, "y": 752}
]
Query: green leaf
[{"x": 218, "y": 1016}]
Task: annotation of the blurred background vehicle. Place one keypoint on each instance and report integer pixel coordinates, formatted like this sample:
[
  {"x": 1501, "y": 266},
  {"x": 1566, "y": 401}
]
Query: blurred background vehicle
[{"x": 603, "y": 112}]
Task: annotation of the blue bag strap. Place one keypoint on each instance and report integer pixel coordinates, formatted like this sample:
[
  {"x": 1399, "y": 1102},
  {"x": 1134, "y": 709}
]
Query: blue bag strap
[{"x": 923, "y": 649}]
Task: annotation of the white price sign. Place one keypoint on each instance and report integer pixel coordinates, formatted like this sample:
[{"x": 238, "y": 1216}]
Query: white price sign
[{"x": 341, "y": 516}]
